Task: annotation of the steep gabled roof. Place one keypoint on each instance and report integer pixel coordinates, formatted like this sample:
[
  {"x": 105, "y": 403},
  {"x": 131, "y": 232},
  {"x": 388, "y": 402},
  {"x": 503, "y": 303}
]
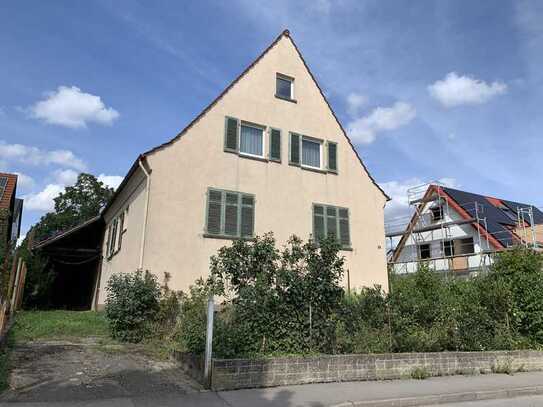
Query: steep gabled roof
[{"x": 284, "y": 34}]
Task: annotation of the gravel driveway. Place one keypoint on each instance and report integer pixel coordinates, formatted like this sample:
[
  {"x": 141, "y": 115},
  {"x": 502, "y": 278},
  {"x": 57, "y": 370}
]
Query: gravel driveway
[{"x": 66, "y": 371}]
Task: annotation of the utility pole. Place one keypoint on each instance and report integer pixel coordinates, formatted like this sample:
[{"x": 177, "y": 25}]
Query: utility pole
[{"x": 209, "y": 340}]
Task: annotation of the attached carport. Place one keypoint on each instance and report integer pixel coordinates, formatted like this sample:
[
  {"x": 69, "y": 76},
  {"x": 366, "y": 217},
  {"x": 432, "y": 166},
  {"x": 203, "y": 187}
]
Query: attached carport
[{"x": 74, "y": 258}]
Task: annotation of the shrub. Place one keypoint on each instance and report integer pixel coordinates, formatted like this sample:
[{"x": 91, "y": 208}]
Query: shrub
[
  {"x": 132, "y": 304},
  {"x": 192, "y": 321},
  {"x": 281, "y": 301},
  {"x": 420, "y": 373},
  {"x": 169, "y": 307}
]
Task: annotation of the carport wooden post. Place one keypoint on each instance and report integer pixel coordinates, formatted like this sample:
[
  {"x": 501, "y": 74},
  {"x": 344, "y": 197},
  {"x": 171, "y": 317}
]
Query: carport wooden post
[
  {"x": 13, "y": 305},
  {"x": 209, "y": 340}
]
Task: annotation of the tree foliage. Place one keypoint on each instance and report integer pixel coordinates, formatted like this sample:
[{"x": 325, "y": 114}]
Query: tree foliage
[{"x": 78, "y": 203}]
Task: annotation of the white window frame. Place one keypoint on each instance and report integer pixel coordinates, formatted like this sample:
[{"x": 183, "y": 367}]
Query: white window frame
[
  {"x": 313, "y": 140},
  {"x": 263, "y": 129},
  {"x": 288, "y": 79}
]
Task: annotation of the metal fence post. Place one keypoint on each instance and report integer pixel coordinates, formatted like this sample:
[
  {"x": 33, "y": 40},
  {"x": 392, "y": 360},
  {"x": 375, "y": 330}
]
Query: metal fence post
[{"x": 209, "y": 340}]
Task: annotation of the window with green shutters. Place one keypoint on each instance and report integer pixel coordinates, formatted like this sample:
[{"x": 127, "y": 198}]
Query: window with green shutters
[
  {"x": 230, "y": 214},
  {"x": 331, "y": 221}
]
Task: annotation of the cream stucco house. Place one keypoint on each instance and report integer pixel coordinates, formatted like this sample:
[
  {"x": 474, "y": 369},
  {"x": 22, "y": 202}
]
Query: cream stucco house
[{"x": 268, "y": 154}]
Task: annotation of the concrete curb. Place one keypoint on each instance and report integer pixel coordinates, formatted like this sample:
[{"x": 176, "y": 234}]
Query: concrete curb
[{"x": 446, "y": 398}]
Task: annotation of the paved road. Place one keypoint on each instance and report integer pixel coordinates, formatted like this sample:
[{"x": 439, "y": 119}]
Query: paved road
[
  {"x": 535, "y": 401},
  {"x": 311, "y": 395},
  {"x": 58, "y": 374}
]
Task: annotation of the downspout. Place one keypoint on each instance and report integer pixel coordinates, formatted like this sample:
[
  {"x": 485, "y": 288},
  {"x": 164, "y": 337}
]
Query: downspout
[{"x": 147, "y": 183}]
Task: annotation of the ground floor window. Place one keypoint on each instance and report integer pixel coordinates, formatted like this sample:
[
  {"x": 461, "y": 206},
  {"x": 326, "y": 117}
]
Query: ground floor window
[
  {"x": 331, "y": 221},
  {"x": 230, "y": 214},
  {"x": 424, "y": 251}
]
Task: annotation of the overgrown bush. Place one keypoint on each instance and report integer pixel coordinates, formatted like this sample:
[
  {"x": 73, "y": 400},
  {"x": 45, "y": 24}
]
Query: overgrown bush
[
  {"x": 132, "y": 305},
  {"x": 191, "y": 328},
  {"x": 290, "y": 301},
  {"x": 277, "y": 301}
]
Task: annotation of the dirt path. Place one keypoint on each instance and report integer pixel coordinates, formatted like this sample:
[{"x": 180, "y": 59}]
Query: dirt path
[{"x": 66, "y": 371}]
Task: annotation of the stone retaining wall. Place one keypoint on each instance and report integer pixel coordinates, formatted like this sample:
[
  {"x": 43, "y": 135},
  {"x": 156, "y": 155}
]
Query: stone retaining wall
[
  {"x": 229, "y": 374},
  {"x": 192, "y": 365}
]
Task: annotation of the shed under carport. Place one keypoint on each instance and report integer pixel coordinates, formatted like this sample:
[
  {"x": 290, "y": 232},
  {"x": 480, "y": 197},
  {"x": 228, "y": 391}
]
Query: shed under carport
[{"x": 74, "y": 257}]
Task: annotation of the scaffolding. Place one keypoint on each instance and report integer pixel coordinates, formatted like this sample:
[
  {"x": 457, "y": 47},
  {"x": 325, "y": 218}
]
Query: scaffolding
[{"x": 431, "y": 225}]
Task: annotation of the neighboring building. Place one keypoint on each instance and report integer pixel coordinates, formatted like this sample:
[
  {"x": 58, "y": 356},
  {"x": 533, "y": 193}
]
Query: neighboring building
[
  {"x": 458, "y": 231},
  {"x": 10, "y": 226},
  {"x": 268, "y": 154}
]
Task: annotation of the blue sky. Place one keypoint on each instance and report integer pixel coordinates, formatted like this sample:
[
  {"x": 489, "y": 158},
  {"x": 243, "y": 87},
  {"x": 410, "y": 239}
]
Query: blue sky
[{"x": 448, "y": 90}]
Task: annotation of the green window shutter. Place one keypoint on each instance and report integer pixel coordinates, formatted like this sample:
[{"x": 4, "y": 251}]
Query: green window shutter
[
  {"x": 231, "y": 131},
  {"x": 214, "y": 212},
  {"x": 108, "y": 244},
  {"x": 275, "y": 145},
  {"x": 121, "y": 229},
  {"x": 294, "y": 149},
  {"x": 231, "y": 221},
  {"x": 332, "y": 156},
  {"x": 319, "y": 231},
  {"x": 331, "y": 222},
  {"x": 247, "y": 215},
  {"x": 344, "y": 228}
]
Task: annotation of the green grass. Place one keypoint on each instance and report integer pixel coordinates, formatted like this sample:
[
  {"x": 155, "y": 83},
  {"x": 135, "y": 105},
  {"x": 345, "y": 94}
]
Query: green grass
[{"x": 36, "y": 325}]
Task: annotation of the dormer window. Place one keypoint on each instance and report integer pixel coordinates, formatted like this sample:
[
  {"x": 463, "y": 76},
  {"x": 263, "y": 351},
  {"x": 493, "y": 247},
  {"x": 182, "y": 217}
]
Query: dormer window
[{"x": 284, "y": 87}]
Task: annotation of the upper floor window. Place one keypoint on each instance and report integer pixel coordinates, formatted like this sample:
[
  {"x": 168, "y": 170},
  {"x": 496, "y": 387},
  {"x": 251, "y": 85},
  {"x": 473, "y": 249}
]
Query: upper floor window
[
  {"x": 251, "y": 140},
  {"x": 437, "y": 213},
  {"x": 284, "y": 87},
  {"x": 311, "y": 152}
]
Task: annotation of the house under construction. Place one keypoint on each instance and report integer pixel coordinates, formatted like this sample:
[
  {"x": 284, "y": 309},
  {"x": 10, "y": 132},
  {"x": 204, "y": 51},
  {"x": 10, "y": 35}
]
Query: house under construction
[{"x": 458, "y": 231}]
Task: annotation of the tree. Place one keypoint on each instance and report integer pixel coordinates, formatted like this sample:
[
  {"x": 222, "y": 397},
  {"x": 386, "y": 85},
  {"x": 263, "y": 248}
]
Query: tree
[{"x": 77, "y": 204}]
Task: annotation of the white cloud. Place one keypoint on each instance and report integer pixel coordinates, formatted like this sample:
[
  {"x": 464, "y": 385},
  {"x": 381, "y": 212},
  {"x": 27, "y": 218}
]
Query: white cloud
[
  {"x": 112, "y": 181},
  {"x": 355, "y": 102},
  {"x": 35, "y": 156},
  {"x": 70, "y": 107},
  {"x": 24, "y": 181},
  {"x": 457, "y": 90},
  {"x": 365, "y": 129},
  {"x": 43, "y": 200},
  {"x": 65, "y": 177}
]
